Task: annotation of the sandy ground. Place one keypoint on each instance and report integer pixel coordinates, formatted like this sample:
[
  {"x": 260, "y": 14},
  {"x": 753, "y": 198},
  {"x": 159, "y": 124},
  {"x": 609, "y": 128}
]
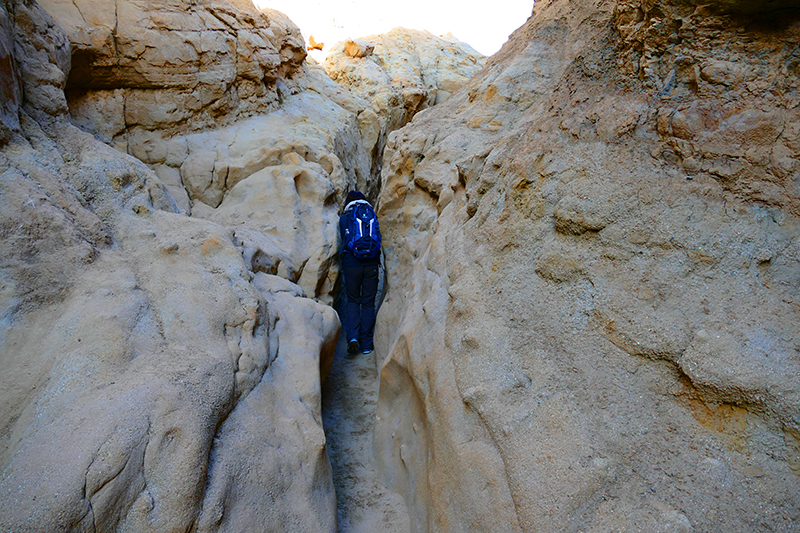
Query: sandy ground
[{"x": 349, "y": 400}]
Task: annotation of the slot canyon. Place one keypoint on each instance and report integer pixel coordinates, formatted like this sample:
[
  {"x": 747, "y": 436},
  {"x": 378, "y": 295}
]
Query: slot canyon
[{"x": 590, "y": 298}]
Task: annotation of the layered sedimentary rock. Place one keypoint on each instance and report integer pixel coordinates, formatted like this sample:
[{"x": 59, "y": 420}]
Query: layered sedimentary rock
[
  {"x": 174, "y": 66},
  {"x": 277, "y": 180},
  {"x": 399, "y": 74},
  {"x": 157, "y": 374},
  {"x": 210, "y": 94},
  {"x": 593, "y": 255}
]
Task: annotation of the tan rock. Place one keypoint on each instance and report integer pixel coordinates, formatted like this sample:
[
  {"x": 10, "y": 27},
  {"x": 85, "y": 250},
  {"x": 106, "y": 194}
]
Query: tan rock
[
  {"x": 358, "y": 48},
  {"x": 313, "y": 44},
  {"x": 175, "y": 67},
  {"x": 399, "y": 74},
  {"x": 152, "y": 381},
  {"x": 173, "y": 70},
  {"x": 581, "y": 332},
  {"x": 592, "y": 255},
  {"x": 282, "y": 175},
  {"x": 290, "y": 206}
]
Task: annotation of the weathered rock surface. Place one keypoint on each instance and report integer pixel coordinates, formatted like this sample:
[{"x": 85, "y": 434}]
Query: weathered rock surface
[
  {"x": 154, "y": 379},
  {"x": 162, "y": 371},
  {"x": 173, "y": 66},
  {"x": 399, "y": 74},
  {"x": 593, "y": 255},
  {"x": 278, "y": 180},
  {"x": 210, "y": 95},
  {"x": 358, "y": 48}
]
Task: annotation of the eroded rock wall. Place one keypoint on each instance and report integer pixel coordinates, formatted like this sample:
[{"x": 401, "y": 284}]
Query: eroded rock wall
[
  {"x": 399, "y": 74},
  {"x": 211, "y": 93},
  {"x": 594, "y": 271},
  {"x": 171, "y": 66},
  {"x": 153, "y": 378},
  {"x": 163, "y": 318}
]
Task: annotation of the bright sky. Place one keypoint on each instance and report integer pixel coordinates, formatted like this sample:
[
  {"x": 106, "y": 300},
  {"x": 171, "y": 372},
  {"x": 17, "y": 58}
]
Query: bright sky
[{"x": 485, "y": 26}]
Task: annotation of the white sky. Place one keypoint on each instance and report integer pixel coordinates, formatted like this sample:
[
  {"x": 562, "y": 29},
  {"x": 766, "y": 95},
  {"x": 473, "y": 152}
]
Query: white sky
[{"x": 485, "y": 26}]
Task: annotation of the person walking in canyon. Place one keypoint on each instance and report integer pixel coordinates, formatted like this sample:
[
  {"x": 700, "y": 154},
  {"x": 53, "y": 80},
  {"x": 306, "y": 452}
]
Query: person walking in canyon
[{"x": 361, "y": 248}]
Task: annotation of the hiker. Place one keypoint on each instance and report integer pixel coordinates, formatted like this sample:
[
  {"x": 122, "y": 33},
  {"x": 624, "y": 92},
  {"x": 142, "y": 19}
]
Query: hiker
[{"x": 361, "y": 247}]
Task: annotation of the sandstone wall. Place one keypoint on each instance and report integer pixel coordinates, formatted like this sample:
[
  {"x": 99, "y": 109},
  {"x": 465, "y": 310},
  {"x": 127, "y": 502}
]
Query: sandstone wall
[
  {"x": 174, "y": 66},
  {"x": 163, "y": 317},
  {"x": 593, "y": 255},
  {"x": 158, "y": 373},
  {"x": 399, "y": 74},
  {"x": 208, "y": 94}
]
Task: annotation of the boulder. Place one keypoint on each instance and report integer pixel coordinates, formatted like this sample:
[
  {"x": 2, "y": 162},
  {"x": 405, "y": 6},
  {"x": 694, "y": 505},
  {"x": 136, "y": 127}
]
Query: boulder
[{"x": 358, "y": 48}]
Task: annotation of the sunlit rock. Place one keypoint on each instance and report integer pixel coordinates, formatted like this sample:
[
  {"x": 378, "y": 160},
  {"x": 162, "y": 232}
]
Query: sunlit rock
[
  {"x": 399, "y": 74},
  {"x": 358, "y": 48}
]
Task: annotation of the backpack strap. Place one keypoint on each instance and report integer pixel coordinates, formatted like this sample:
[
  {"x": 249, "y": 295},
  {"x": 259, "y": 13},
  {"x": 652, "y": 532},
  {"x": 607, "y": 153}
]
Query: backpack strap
[{"x": 353, "y": 203}]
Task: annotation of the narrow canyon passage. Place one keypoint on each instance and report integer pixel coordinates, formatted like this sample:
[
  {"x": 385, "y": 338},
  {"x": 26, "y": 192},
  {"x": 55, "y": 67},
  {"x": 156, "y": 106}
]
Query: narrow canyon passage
[{"x": 349, "y": 400}]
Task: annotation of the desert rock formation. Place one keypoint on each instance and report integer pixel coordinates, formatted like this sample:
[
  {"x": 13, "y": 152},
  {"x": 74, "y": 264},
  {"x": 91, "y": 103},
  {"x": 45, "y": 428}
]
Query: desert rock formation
[
  {"x": 164, "y": 294},
  {"x": 399, "y": 73},
  {"x": 158, "y": 373},
  {"x": 173, "y": 66},
  {"x": 213, "y": 94},
  {"x": 210, "y": 95},
  {"x": 594, "y": 266},
  {"x": 593, "y": 261}
]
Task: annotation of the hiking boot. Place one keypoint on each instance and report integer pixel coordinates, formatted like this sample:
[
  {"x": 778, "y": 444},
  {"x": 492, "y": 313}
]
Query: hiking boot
[{"x": 352, "y": 346}]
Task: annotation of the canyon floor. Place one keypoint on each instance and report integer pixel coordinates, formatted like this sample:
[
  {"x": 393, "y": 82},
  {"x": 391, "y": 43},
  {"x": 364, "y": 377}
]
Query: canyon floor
[{"x": 349, "y": 401}]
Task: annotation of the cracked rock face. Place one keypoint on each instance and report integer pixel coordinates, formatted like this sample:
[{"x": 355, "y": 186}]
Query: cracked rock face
[
  {"x": 593, "y": 258},
  {"x": 277, "y": 181},
  {"x": 211, "y": 93},
  {"x": 173, "y": 66},
  {"x": 164, "y": 325}
]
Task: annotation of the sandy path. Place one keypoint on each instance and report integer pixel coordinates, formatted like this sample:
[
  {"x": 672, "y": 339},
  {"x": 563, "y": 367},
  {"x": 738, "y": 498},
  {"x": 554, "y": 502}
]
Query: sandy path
[{"x": 349, "y": 400}]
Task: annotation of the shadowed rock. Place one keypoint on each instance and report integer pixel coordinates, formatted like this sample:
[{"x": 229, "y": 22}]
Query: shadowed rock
[{"x": 592, "y": 250}]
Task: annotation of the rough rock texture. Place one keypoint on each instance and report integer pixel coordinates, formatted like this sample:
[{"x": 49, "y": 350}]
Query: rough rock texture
[
  {"x": 278, "y": 180},
  {"x": 358, "y": 48},
  {"x": 593, "y": 255},
  {"x": 399, "y": 74},
  {"x": 211, "y": 93},
  {"x": 172, "y": 66},
  {"x": 161, "y": 372},
  {"x": 153, "y": 378}
]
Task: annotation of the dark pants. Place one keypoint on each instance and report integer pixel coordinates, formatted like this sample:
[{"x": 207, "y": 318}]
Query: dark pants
[{"x": 361, "y": 286}]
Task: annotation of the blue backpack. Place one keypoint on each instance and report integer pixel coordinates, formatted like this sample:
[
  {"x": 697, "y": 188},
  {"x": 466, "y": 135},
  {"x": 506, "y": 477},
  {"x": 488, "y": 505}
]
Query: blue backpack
[{"x": 362, "y": 234}]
